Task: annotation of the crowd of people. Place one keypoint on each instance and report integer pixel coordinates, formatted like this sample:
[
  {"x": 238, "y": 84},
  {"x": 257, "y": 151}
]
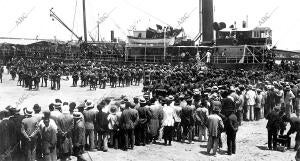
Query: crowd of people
[{"x": 180, "y": 103}]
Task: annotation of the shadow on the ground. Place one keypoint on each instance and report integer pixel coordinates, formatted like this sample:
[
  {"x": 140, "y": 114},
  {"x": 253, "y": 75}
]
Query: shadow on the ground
[
  {"x": 262, "y": 147},
  {"x": 203, "y": 146}
]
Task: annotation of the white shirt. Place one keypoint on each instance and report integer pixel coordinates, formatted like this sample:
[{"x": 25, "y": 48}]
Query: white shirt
[{"x": 168, "y": 116}]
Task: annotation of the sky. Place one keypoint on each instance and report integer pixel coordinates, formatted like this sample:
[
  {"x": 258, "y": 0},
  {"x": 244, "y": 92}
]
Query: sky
[{"x": 285, "y": 20}]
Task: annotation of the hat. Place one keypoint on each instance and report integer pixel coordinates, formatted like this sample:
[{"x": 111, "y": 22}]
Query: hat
[
  {"x": 113, "y": 109},
  {"x": 57, "y": 105},
  {"x": 125, "y": 99},
  {"x": 27, "y": 112},
  {"x": 36, "y": 107},
  {"x": 142, "y": 100},
  {"x": 258, "y": 90},
  {"x": 196, "y": 91},
  {"x": 14, "y": 110},
  {"x": 127, "y": 105},
  {"x": 46, "y": 114},
  {"x": 58, "y": 100},
  {"x": 89, "y": 104},
  {"x": 287, "y": 88},
  {"x": 268, "y": 86},
  {"x": 171, "y": 98},
  {"x": 135, "y": 98},
  {"x": 82, "y": 105},
  {"x": 76, "y": 114},
  {"x": 215, "y": 88}
]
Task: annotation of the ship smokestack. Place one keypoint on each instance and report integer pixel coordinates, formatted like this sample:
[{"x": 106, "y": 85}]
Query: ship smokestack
[
  {"x": 112, "y": 36},
  {"x": 207, "y": 20}
]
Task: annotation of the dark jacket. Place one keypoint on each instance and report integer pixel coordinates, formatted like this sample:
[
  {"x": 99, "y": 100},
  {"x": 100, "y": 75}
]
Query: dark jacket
[
  {"x": 89, "y": 118},
  {"x": 78, "y": 134},
  {"x": 231, "y": 124},
  {"x": 187, "y": 115},
  {"x": 295, "y": 125},
  {"x": 228, "y": 105},
  {"x": 128, "y": 119},
  {"x": 274, "y": 120},
  {"x": 101, "y": 121},
  {"x": 144, "y": 115}
]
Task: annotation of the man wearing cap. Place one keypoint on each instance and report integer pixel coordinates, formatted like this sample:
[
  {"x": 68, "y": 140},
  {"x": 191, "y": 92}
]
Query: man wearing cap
[
  {"x": 29, "y": 129},
  {"x": 215, "y": 126},
  {"x": 142, "y": 126},
  {"x": 65, "y": 125},
  {"x": 78, "y": 135},
  {"x": 273, "y": 126},
  {"x": 89, "y": 119}
]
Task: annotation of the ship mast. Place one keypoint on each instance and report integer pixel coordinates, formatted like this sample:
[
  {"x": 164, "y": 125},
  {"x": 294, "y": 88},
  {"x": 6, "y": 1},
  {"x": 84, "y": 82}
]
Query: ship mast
[{"x": 84, "y": 21}]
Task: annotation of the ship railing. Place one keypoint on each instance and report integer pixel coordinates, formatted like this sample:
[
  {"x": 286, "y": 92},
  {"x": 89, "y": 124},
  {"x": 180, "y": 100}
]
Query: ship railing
[
  {"x": 155, "y": 59},
  {"x": 233, "y": 60}
]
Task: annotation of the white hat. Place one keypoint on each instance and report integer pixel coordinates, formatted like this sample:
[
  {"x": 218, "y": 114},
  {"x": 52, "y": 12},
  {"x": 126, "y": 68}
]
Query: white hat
[{"x": 89, "y": 104}]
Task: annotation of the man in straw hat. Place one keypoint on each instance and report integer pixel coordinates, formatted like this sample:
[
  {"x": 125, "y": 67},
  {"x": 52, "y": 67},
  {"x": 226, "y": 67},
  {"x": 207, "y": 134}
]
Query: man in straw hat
[
  {"x": 78, "y": 135},
  {"x": 90, "y": 118},
  {"x": 29, "y": 130},
  {"x": 144, "y": 118},
  {"x": 215, "y": 126},
  {"x": 48, "y": 136}
]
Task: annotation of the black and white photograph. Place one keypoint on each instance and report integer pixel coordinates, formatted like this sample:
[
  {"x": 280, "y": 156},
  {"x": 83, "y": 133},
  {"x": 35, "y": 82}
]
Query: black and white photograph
[{"x": 148, "y": 80}]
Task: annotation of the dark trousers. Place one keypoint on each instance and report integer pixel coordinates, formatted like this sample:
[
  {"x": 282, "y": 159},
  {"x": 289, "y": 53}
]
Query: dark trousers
[
  {"x": 239, "y": 114},
  {"x": 129, "y": 138},
  {"x": 272, "y": 138},
  {"x": 187, "y": 132},
  {"x": 231, "y": 142},
  {"x": 141, "y": 134},
  {"x": 168, "y": 134},
  {"x": 178, "y": 130}
]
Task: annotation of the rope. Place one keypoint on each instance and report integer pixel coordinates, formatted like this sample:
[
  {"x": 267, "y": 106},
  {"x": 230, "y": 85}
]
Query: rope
[{"x": 74, "y": 18}]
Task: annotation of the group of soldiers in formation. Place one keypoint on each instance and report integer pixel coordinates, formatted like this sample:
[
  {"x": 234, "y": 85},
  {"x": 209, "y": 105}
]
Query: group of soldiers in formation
[
  {"x": 180, "y": 102},
  {"x": 34, "y": 73}
]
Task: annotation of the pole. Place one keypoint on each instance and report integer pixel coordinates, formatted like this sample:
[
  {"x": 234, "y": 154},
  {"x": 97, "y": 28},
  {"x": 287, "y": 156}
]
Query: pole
[
  {"x": 98, "y": 28},
  {"x": 84, "y": 21},
  {"x": 164, "y": 44},
  {"x": 200, "y": 20}
]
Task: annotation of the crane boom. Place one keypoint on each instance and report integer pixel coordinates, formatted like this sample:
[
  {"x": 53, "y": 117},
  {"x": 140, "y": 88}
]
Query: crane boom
[{"x": 53, "y": 15}]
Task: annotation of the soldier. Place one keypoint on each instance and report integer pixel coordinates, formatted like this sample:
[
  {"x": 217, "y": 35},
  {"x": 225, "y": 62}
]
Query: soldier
[
  {"x": 75, "y": 78},
  {"x": 44, "y": 78},
  {"x": 57, "y": 78}
]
